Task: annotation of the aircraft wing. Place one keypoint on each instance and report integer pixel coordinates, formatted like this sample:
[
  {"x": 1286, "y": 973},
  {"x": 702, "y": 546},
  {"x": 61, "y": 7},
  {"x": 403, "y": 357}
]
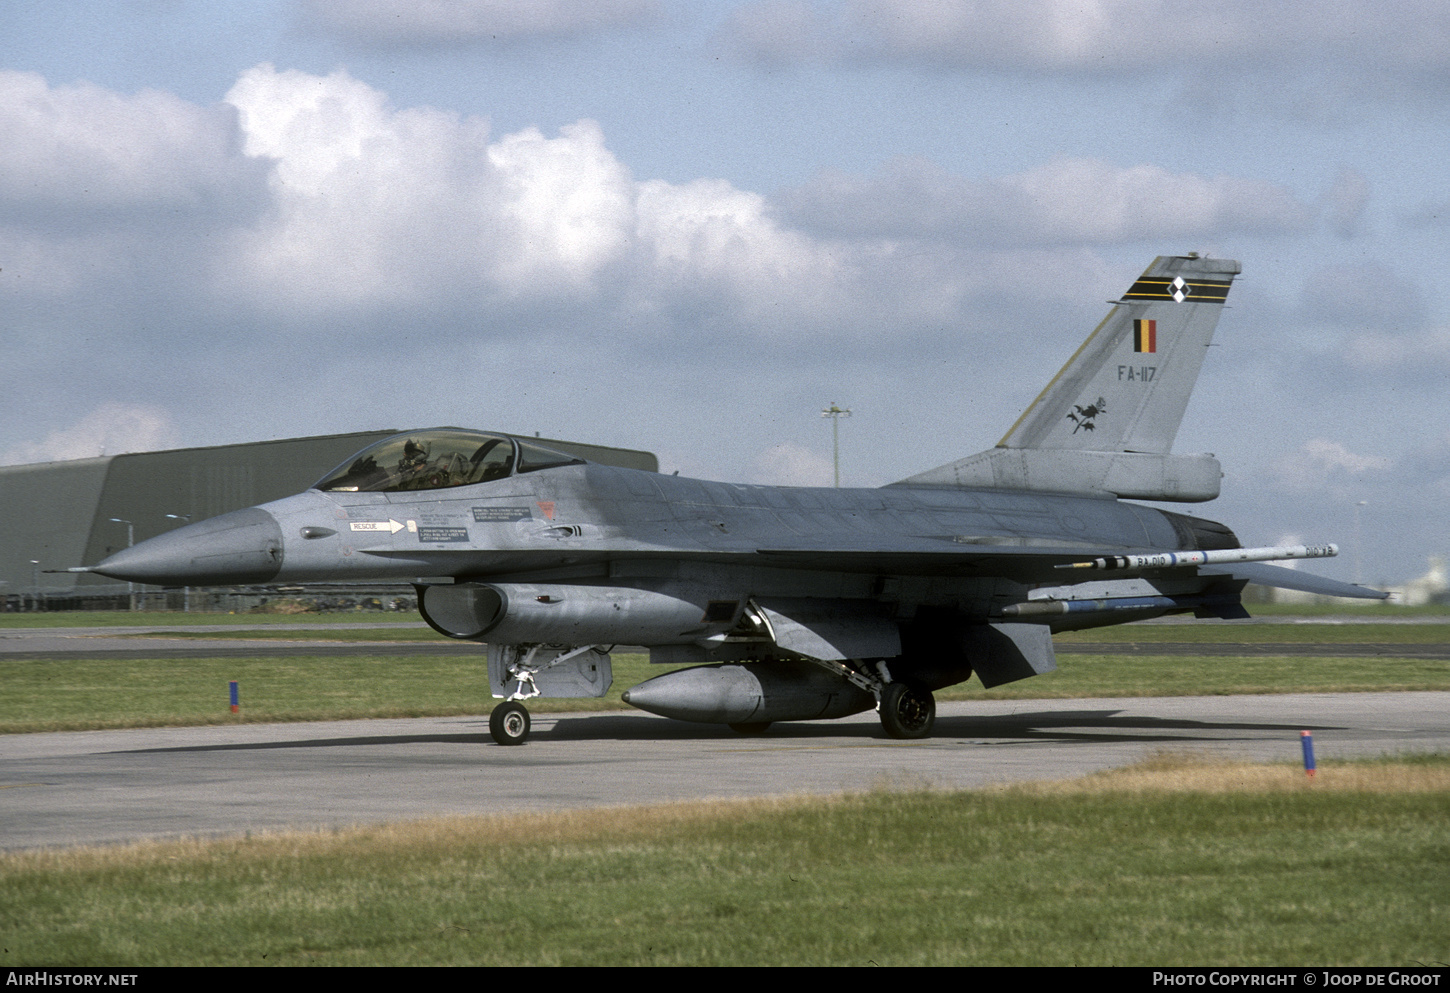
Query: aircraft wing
[
  {"x": 1024, "y": 559},
  {"x": 1015, "y": 558},
  {"x": 1291, "y": 579}
]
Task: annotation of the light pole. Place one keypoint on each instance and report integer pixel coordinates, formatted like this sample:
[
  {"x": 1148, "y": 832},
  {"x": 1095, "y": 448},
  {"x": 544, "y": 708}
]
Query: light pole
[
  {"x": 130, "y": 541},
  {"x": 835, "y": 413},
  {"x": 34, "y": 585}
]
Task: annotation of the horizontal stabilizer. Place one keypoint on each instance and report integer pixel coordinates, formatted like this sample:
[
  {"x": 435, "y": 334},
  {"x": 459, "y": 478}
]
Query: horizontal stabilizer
[{"x": 1291, "y": 579}]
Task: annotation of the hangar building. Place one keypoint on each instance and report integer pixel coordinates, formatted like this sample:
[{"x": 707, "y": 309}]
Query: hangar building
[{"x": 62, "y": 514}]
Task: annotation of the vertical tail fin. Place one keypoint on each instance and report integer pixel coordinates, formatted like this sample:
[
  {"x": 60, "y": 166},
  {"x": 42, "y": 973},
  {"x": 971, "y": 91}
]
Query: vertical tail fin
[
  {"x": 1106, "y": 422},
  {"x": 1126, "y": 388}
]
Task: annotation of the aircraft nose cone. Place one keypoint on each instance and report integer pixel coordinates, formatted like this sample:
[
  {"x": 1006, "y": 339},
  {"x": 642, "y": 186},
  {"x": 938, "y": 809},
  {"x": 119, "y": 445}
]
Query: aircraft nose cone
[{"x": 244, "y": 546}]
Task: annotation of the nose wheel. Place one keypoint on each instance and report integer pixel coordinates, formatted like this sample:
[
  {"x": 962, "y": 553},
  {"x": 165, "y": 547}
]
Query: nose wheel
[{"x": 509, "y": 723}]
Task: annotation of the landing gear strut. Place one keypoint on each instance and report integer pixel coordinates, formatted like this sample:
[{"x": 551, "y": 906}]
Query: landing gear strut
[
  {"x": 907, "y": 711},
  {"x": 509, "y": 723}
]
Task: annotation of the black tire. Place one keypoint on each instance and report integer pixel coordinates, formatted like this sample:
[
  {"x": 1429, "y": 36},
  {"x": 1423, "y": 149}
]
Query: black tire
[
  {"x": 509, "y": 723},
  {"x": 756, "y": 727},
  {"x": 907, "y": 711}
]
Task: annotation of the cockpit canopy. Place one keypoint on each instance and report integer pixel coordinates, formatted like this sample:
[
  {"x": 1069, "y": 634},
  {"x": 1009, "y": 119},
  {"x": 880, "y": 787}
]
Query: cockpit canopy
[{"x": 439, "y": 458}]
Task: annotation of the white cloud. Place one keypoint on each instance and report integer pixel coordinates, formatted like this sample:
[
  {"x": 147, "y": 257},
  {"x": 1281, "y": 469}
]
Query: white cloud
[
  {"x": 358, "y": 211},
  {"x": 453, "y": 21},
  {"x": 1426, "y": 466},
  {"x": 1321, "y": 464},
  {"x": 786, "y": 31},
  {"x": 370, "y": 205},
  {"x": 1426, "y": 351},
  {"x": 1101, "y": 36},
  {"x": 570, "y": 203},
  {"x": 1067, "y": 201},
  {"x": 377, "y": 206},
  {"x": 708, "y": 238},
  {"x": 81, "y": 156},
  {"x": 1427, "y": 215},
  {"x": 1363, "y": 295},
  {"x": 107, "y": 196},
  {"x": 110, "y": 429},
  {"x": 1346, "y": 201},
  {"x": 790, "y": 464}
]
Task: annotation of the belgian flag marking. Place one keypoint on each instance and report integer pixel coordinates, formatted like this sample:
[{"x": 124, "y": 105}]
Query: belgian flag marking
[{"x": 1145, "y": 336}]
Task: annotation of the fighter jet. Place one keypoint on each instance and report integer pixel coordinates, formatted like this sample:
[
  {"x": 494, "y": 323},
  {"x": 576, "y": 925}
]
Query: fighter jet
[{"x": 786, "y": 603}]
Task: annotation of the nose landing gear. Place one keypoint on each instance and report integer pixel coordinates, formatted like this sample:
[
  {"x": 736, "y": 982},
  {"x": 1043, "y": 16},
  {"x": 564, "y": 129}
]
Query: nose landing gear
[{"x": 509, "y": 723}]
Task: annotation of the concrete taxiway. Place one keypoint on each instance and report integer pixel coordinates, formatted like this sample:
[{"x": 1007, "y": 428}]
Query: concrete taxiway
[{"x": 111, "y": 786}]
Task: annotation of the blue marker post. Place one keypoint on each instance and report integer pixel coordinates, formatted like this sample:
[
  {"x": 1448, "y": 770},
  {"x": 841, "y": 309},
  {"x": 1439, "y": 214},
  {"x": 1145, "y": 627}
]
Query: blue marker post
[
  {"x": 1306, "y": 739},
  {"x": 236, "y": 700}
]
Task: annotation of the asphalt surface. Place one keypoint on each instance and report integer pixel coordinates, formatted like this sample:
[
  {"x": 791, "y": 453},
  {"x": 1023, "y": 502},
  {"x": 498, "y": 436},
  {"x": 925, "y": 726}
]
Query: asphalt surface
[
  {"x": 68, "y": 788},
  {"x": 113, "y": 786}
]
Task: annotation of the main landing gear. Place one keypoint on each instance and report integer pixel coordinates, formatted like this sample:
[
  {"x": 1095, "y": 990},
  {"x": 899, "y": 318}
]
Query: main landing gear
[
  {"x": 907, "y": 711},
  {"x": 509, "y": 723}
]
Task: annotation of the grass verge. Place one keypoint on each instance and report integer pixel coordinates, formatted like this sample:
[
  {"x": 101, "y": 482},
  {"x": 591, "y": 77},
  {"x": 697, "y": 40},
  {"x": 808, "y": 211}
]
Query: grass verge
[
  {"x": 1189, "y": 675},
  {"x": 81, "y": 694},
  {"x": 1308, "y": 633},
  {"x": 181, "y": 619},
  {"x": 1174, "y": 863}
]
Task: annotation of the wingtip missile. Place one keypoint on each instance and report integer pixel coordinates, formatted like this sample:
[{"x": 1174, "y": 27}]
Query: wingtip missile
[{"x": 1220, "y": 556}]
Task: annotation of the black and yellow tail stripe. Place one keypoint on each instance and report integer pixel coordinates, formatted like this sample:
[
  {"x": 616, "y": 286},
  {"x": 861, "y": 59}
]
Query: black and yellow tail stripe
[{"x": 1162, "y": 288}]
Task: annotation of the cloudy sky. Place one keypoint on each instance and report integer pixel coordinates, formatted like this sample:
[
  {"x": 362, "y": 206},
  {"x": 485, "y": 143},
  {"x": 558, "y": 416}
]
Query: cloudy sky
[{"x": 688, "y": 227}]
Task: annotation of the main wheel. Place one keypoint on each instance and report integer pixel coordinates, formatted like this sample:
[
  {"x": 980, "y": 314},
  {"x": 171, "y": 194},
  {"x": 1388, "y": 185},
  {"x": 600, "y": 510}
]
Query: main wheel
[
  {"x": 907, "y": 711},
  {"x": 509, "y": 723},
  {"x": 754, "y": 727}
]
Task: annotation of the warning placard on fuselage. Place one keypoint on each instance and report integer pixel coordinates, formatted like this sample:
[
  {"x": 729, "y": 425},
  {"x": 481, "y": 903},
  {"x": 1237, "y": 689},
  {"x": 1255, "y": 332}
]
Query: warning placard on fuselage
[{"x": 495, "y": 514}]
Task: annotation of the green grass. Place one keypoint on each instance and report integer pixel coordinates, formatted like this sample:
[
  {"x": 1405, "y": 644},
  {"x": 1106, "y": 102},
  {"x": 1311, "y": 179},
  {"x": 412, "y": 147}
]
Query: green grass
[
  {"x": 418, "y": 632},
  {"x": 1297, "y": 634},
  {"x": 172, "y": 618},
  {"x": 1168, "y": 867},
  {"x": 86, "y": 694},
  {"x": 79, "y": 693},
  {"x": 1180, "y": 675},
  {"x": 1342, "y": 607}
]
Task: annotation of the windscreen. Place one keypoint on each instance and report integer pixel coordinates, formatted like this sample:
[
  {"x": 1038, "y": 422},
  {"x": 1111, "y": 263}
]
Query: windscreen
[
  {"x": 438, "y": 458},
  {"x": 424, "y": 460}
]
